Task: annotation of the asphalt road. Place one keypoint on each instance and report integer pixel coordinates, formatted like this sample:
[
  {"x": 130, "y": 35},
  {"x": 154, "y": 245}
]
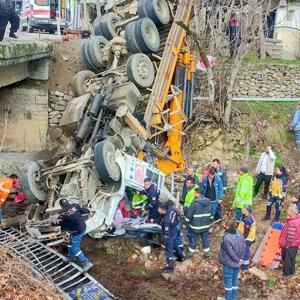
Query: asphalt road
[{"x": 26, "y": 36}]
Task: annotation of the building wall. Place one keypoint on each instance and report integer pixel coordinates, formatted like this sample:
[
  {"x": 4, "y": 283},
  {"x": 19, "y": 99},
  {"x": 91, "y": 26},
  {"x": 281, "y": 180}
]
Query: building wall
[
  {"x": 287, "y": 29},
  {"x": 27, "y": 121}
]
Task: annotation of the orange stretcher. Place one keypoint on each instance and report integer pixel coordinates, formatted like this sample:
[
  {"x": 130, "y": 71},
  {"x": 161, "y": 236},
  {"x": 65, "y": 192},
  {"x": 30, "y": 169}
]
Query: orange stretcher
[{"x": 269, "y": 252}]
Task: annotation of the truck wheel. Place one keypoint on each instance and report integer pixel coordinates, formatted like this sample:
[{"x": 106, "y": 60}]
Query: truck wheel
[
  {"x": 33, "y": 190},
  {"x": 142, "y": 11},
  {"x": 84, "y": 56},
  {"x": 158, "y": 11},
  {"x": 147, "y": 35},
  {"x": 106, "y": 166},
  {"x": 78, "y": 83},
  {"x": 52, "y": 31},
  {"x": 95, "y": 46},
  {"x": 131, "y": 42},
  {"x": 108, "y": 24},
  {"x": 97, "y": 26},
  {"x": 140, "y": 70}
]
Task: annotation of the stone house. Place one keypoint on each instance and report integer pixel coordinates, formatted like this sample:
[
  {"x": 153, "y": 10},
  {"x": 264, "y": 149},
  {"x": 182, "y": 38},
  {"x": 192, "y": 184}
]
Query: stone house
[{"x": 283, "y": 29}]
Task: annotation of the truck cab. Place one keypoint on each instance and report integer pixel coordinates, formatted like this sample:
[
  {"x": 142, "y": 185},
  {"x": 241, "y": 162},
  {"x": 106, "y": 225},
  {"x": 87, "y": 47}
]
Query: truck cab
[{"x": 40, "y": 14}]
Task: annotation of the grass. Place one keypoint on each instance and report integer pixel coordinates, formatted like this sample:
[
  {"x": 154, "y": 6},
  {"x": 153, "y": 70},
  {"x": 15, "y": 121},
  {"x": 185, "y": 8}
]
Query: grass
[
  {"x": 256, "y": 60},
  {"x": 281, "y": 112},
  {"x": 271, "y": 282},
  {"x": 140, "y": 271}
]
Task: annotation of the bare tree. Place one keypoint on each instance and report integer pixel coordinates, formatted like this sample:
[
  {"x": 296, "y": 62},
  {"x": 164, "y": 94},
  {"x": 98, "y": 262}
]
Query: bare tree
[{"x": 226, "y": 30}]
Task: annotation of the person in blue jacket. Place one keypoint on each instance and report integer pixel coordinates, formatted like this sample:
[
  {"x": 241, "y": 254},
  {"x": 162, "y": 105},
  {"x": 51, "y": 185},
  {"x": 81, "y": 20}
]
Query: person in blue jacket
[
  {"x": 220, "y": 172},
  {"x": 71, "y": 220},
  {"x": 295, "y": 126},
  {"x": 212, "y": 188},
  {"x": 153, "y": 194},
  {"x": 169, "y": 221}
]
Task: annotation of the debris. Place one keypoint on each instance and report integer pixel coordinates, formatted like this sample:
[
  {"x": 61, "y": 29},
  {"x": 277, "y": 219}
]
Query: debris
[
  {"x": 17, "y": 281},
  {"x": 258, "y": 273}
]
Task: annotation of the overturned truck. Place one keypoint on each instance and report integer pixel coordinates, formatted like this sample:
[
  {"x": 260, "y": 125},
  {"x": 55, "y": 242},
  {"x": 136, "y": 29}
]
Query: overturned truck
[{"x": 126, "y": 122}]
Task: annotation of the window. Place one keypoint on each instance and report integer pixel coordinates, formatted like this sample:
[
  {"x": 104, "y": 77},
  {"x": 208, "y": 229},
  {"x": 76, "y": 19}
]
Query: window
[
  {"x": 41, "y": 2},
  {"x": 290, "y": 16}
]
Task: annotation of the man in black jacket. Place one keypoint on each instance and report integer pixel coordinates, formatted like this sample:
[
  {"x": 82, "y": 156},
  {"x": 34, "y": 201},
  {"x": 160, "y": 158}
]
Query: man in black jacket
[
  {"x": 198, "y": 217},
  {"x": 8, "y": 14},
  {"x": 153, "y": 199},
  {"x": 169, "y": 222},
  {"x": 71, "y": 219}
]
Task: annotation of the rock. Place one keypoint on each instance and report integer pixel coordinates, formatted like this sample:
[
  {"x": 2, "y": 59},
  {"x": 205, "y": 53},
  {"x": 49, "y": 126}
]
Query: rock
[
  {"x": 53, "y": 120},
  {"x": 184, "y": 266},
  {"x": 59, "y": 94},
  {"x": 169, "y": 276},
  {"x": 60, "y": 107},
  {"x": 65, "y": 58},
  {"x": 149, "y": 265},
  {"x": 146, "y": 250},
  {"x": 68, "y": 97},
  {"x": 134, "y": 257},
  {"x": 258, "y": 273}
]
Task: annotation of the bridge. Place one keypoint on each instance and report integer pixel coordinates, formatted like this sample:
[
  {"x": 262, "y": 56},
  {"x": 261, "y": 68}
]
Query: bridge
[{"x": 24, "y": 59}]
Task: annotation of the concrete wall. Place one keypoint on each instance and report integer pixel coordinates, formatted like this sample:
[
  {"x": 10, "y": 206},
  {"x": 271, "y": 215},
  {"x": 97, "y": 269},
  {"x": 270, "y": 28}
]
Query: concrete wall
[
  {"x": 287, "y": 29},
  {"x": 27, "y": 107},
  {"x": 261, "y": 80}
]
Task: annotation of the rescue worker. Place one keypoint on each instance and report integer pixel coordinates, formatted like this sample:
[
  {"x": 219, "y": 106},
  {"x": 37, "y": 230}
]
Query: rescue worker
[
  {"x": 169, "y": 221},
  {"x": 190, "y": 173},
  {"x": 295, "y": 126},
  {"x": 151, "y": 208},
  {"x": 243, "y": 193},
  {"x": 198, "y": 217},
  {"x": 8, "y": 14},
  {"x": 10, "y": 188},
  {"x": 71, "y": 220},
  {"x": 289, "y": 240},
  {"x": 212, "y": 187},
  {"x": 265, "y": 171},
  {"x": 179, "y": 238},
  {"x": 247, "y": 228},
  {"x": 277, "y": 193},
  {"x": 220, "y": 172},
  {"x": 231, "y": 257},
  {"x": 190, "y": 194}
]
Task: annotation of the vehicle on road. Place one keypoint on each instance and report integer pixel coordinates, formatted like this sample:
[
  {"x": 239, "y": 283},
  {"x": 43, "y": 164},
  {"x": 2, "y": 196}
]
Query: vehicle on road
[{"x": 39, "y": 14}]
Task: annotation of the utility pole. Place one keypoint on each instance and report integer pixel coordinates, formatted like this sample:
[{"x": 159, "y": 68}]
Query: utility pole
[{"x": 58, "y": 17}]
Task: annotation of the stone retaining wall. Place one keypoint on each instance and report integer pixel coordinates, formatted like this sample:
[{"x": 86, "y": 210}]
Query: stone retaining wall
[
  {"x": 261, "y": 80},
  {"x": 58, "y": 102}
]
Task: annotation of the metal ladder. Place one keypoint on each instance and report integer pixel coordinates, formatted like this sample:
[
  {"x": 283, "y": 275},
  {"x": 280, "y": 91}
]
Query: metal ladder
[{"x": 67, "y": 277}]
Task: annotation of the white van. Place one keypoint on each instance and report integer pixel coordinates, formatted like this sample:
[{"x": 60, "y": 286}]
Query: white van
[{"x": 39, "y": 14}]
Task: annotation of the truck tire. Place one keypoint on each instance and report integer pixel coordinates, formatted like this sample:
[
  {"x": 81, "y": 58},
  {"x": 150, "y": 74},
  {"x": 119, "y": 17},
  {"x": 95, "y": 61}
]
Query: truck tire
[
  {"x": 108, "y": 25},
  {"x": 106, "y": 166},
  {"x": 84, "y": 57},
  {"x": 147, "y": 35},
  {"x": 131, "y": 42},
  {"x": 33, "y": 190},
  {"x": 158, "y": 11},
  {"x": 97, "y": 26},
  {"x": 140, "y": 70},
  {"x": 94, "y": 49},
  {"x": 142, "y": 11},
  {"x": 78, "y": 83}
]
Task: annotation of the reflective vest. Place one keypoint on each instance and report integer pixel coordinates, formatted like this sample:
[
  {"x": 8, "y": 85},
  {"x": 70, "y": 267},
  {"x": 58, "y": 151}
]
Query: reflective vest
[
  {"x": 190, "y": 196},
  {"x": 247, "y": 224},
  {"x": 244, "y": 192},
  {"x": 6, "y": 184}
]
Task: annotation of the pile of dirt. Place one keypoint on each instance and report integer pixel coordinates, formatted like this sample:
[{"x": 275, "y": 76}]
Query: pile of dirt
[
  {"x": 17, "y": 281},
  {"x": 66, "y": 64}
]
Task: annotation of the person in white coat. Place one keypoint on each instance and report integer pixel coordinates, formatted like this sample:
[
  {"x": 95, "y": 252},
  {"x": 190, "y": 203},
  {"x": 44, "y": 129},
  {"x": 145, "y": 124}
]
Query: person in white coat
[{"x": 265, "y": 171}]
